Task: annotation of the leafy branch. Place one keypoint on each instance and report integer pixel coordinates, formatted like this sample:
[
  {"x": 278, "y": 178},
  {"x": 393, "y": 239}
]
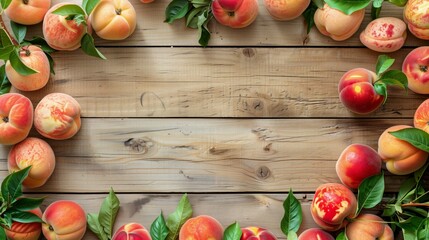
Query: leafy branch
[{"x": 349, "y": 7}]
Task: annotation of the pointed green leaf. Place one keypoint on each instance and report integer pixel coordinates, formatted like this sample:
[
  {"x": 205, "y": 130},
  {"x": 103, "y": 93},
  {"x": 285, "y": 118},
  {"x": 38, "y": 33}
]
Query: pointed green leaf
[
  {"x": 5, "y": 4},
  {"x": 389, "y": 210},
  {"x": 5, "y": 39},
  {"x": 19, "y": 31},
  {"x": 309, "y": 15},
  {"x": 40, "y": 42},
  {"x": 95, "y": 227},
  {"x": 175, "y": 10},
  {"x": 292, "y": 236},
  {"x": 417, "y": 137},
  {"x": 348, "y": 7},
  {"x": 18, "y": 65},
  {"x": 370, "y": 192},
  {"x": 69, "y": 9},
  {"x": 384, "y": 62},
  {"x": 158, "y": 229},
  {"x": 410, "y": 227},
  {"x": 292, "y": 217},
  {"x": 27, "y": 204},
  {"x": 405, "y": 190},
  {"x": 2, "y": 233},
  {"x": 25, "y": 217},
  {"x": 89, "y": 5},
  {"x": 175, "y": 220},
  {"x": 192, "y": 17},
  {"x": 381, "y": 89},
  {"x": 394, "y": 78},
  {"x": 423, "y": 231},
  {"x": 341, "y": 236},
  {"x": 203, "y": 32},
  {"x": 108, "y": 212},
  {"x": 11, "y": 187},
  {"x": 418, "y": 175},
  {"x": 318, "y": 3},
  {"x": 5, "y": 85},
  {"x": 5, "y": 52},
  {"x": 89, "y": 48},
  {"x": 232, "y": 232}
]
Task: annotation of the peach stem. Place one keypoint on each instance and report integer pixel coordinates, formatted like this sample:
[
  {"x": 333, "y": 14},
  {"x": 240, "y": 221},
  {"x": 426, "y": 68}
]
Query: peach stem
[
  {"x": 3, "y": 26},
  {"x": 415, "y": 205}
]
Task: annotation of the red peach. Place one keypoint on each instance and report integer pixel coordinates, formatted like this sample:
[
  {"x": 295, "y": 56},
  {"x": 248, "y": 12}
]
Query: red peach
[
  {"x": 27, "y": 12},
  {"x": 34, "y": 58},
  {"x": 315, "y": 234},
  {"x": 385, "y": 34},
  {"x": 285, "y": 10},
  {"x": 57, "y": 116},
  {"x": 65, "y": 220},
  {"x": 25, "y": 231},
  {"x": 357, "y": 162},
  {"x": 368, "y": 227},
  {"x": 235, "y": 13},
  {"x": 416, "y": 15},
  {"x": 256, "y": 233},
  {"x": 332, "y": 204},
  {"x": 202, "y": 227},
  {"x": 16, "y": 118},
  {"x": 421, "y": 116},
  {"x": 36, "y": 153},
  {"x": 415, "y": 66},
  {"x": 131, "y": 231}
]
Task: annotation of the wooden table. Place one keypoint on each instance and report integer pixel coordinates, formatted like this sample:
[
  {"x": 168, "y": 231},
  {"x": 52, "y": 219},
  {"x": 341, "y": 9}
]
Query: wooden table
[{"x": 235, "y": 125}]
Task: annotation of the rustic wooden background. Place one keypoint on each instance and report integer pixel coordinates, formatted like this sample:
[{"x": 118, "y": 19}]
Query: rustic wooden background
[{"x": 235, "y": 125}]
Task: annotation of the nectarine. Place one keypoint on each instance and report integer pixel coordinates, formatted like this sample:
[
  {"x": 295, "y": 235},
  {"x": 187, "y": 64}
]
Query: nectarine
[
  {"x": 235, "y": 13},
  {"x": 131, "y": 231},
  {"x": 315, "y": 234},
  {"x": 25, "y": 231},
  {"x": 367, "y": 227},
  {"x": 415, "y": 67},
  {"x": 202, "y": 227}
]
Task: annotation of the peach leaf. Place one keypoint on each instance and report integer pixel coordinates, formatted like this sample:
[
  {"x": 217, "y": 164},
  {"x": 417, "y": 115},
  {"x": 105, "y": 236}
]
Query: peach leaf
[{"x": 232, "y": 232}]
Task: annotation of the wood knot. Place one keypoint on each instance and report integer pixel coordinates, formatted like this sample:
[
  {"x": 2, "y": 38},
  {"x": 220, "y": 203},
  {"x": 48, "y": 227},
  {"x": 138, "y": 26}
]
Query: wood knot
[
  {"x": 249, "y": 52},
  {"x": 263, "y": 172},
  {"x": 258, "y": 105},
  {"x": 140, "y": 145}
]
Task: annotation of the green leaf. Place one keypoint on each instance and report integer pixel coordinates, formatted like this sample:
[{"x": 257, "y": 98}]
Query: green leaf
[
  {"x": 175, "y": 220},
  {"x": 51, "y": 63},
  {"x": 5, "y": 52},
  {"x": 381, "y": 89},
  {"x": 89, "y": 5},
  {"x": 202, "y": 28},
  {"x": 375, "y": 12},
  {"x": 158, "y": 229},
  {"x": 18, "y": 65},
  {"x": 69, "y": 10},
  {"x": 7, "y": 219},
  {"x": 176, "y": 9},
  {"x": 27, "y": 204},
  {"x": 318, "y": 3},
  {"x": 39, "y": 41},
  {"x": 192, "y": 17},
  {"x": 95, "y": 227},
  {"x": 5, "y": 39},
  {"x": 4, "y": 5},
  {"x": 405, "y": 190},
  {"x": 19, "y": 31},
  {"x": 89, "y": 48},
  {"x": 292, "y": 236},
  {"x": 389, "y": 210},
  {"x": 418, "y": 175},
  {"x": 309, "y": 15},
  {"x": 292, "y": 217},
  {"x": 2, "y": 233},
  {"x": 394, "y": 78},
  {"x": 348, "y": 7},
  {"x": 25, "y": 217},
  {"x": 232, "y": 232},
  {"x": 108, "y": 212},
  {"x": 384, "y": 62},
  {"x": 399, "y": 3},
  {"x": 341, "y": 236},
  {"x": 11, "y": 187},
  {"x": 5, "y": 85},
  {"x": 416, "y": 137},
  {"x": 423, "y": 231},
  {"x": 410, "y": 227},
  {"x": 370, "y": 192}
]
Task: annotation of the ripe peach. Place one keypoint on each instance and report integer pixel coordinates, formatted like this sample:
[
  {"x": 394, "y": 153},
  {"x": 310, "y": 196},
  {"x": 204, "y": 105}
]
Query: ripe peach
[
  {"x": 421, "y": 116},
  {"x": 25, "y": 231},
  {"x": 65, "y": 220},
  {"x": 34, "y": 58},
  {"x": 27, "y": 12},
  {"x": 36, "y": 153},
  {"x": 357, "y": 92},
  {"x": 284, "y": 10},
  {"x": 16, "y": 118},
  {"x": 415, "y": 66},
  {"x": 331, "y": 205},
  {"x": 368, "y": 227},
  {"x": 131, "y": 231},
  {"x": 401, "y": 157},
  {"x": 416, "y": 15},
  {"x": 146, "y": 1},
  {"x": 386, "y": 34},
  {"x": 113, "y": 19},
  {"x": 357, "y": 162},
  {"x": 60, "y": 33},
  {"x": 235, "y": 13},
  {"x": 315, "y": 234},
  {"x": 336, "y": 24},
  {"x": 57, "y": 116},
  {"x": 202, "y": 227},
  {"x": 256, "y": 233}
]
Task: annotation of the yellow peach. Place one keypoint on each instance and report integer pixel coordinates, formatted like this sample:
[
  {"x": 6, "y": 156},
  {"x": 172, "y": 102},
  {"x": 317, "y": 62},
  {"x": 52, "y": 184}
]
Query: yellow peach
[{"x": 27, "y": 12}]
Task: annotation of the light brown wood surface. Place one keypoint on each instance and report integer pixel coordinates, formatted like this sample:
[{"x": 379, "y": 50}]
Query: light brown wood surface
[{"x": 236, "y": 125}]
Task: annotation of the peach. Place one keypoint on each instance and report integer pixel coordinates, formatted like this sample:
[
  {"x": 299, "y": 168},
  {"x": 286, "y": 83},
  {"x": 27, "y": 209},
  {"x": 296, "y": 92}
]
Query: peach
[
  {"x": 235, "y": 13},
  {"x": 315, "y": 234},
  {"x": 113, "y": 19},
  {"x": 285, "y": 10},
  {"x": 421, "y": 116},
  {"x": 132, "y": 231},
  {"x": 415, "y": 66},
  {"x": 357, "y": 162},
  {"x": 60, "y": 33},
  {"x": 27, "y": 12},
  {"x": 36, "y": 153},
  {"x": 357, "y": 93},
  {"x": 369, "y": 227},
  {"x": 146, "y": 1},
  {"x": 336, "y": 24},
  {"x": 416, "y": 15},
  {"x": 16, "y": 118},
  {"x": 332, "y": 204},
  {"x": 34, "y": 58},
  {"x": 256, "y": 233},
  {"x": 25, "y": 231},
  {"x": 386, "y": 34},
  {"x": 65, "y": 220},
  {"x": 202, "y": 227},
  {"x": 57, "y": 116},
  {"x": 401, "y": 157}
]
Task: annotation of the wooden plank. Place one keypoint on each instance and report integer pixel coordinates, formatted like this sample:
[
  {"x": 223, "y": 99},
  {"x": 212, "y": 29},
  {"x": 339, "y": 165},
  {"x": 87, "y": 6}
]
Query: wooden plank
[
  {"x": 218, "y": 82},
  {"x": 264, "y": 210},
  {"x": 206, "y": 155},
  {"x": 152, "y": 31}
]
